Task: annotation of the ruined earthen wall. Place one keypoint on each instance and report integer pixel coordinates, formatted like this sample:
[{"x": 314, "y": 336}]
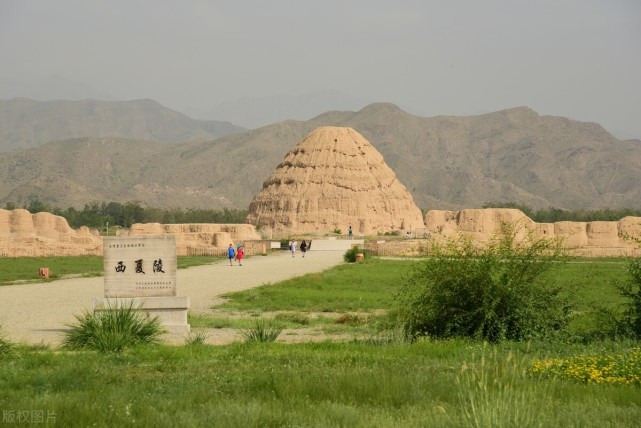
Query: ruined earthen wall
[
  {"x": 23, "y": 234},
  {"x": 199, "y": 239},
  {"x": 591, "y": 239}
]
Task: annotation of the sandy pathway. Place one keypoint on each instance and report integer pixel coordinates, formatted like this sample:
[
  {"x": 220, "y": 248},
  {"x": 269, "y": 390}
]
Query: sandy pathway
[{"x": 38, "y": 313}]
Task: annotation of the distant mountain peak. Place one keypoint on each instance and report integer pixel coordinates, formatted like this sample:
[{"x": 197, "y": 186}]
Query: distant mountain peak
[{"x": 381, "y": 107}]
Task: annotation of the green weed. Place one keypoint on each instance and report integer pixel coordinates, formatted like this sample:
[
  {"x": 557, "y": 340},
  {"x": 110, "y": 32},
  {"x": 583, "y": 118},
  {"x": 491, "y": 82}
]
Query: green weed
[
  {"x": 262, "y": 331},
  {"x": 6, "y": 346},
  {"x": 112, "y": 329}
]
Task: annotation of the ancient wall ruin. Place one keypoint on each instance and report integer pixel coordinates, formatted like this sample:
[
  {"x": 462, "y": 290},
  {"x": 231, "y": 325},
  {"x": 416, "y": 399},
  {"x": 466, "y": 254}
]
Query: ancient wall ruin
[
  {"x": 199, "y": 239},
  {"x": 590, "y": 239},
  {"x": 43, "y": 234},
  {"x": 23, "y": 234}
]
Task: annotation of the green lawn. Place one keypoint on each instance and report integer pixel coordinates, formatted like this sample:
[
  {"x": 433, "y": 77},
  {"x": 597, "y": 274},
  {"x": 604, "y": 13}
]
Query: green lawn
[
  {"x": 346, "y": 287},
  {"x": 325, "y": 384},
  {"x": 26, "y": 269},
  {"x": 371, "y": 286}
]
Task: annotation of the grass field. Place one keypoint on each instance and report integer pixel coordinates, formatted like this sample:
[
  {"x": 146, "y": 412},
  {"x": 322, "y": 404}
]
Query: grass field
[
  {"x": 367, "y": 290},
  {"x": 26, "y": 269},
  {"x": 360, "y": 383}
]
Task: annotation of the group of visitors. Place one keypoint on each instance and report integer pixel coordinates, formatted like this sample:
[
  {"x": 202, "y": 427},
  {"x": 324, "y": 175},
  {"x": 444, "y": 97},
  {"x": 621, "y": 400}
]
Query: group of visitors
[
  {"x": 238, "y": 254},
  {"x": 303, "y": 247}
]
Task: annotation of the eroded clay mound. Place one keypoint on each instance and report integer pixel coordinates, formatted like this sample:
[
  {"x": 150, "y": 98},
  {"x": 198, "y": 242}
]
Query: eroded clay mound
[
  {"x": 43, "y": 234},
  {"x": 197, "y": 239},
  {"x": 331, "y": 180},
  {"x": 593, "y": 239}
]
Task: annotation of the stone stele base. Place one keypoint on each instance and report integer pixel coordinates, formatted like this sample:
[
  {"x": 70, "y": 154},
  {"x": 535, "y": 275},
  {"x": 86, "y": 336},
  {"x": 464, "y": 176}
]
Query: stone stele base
[{"x": 171, "y": 311}]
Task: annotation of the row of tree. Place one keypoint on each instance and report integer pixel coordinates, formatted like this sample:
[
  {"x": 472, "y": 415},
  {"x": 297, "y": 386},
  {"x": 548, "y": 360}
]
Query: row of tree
[
  {"x": 110, "y": 214},
  {"x": 552, "y": 215}
]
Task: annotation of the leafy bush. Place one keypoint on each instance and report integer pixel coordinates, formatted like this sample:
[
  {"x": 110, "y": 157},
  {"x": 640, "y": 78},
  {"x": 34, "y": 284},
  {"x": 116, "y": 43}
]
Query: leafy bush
[
  {"x": 263, "y": 331},
  {"x": 112, "y": 329},
  {"x": 630, "y": 325},
  {"x": 493, "y": 293},
  {"x": 350, "y": 255}
]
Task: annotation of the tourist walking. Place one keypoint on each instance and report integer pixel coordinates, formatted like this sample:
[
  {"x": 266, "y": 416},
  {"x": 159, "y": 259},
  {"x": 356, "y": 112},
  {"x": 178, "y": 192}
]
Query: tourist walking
[
  {"x": 240, "y": 254},
  {"x": 292, "y": 247},
  {"x": 231, "y": 253},
  {"x": 303, "y": 247},
  {"x": 349, "y": 232}
]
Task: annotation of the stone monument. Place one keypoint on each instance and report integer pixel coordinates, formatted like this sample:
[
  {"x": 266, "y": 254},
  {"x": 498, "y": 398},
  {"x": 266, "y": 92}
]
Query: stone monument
[{"x": 141, "y": 271}]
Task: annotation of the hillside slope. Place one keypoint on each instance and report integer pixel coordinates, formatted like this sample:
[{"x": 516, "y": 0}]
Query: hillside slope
[
  {"x": 26, "y": 123},
  {"x": 445, "y": 162}
]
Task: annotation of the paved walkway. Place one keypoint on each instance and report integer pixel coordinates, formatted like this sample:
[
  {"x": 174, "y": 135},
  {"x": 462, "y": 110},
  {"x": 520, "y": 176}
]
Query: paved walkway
[{"x": 38, "y": 313}]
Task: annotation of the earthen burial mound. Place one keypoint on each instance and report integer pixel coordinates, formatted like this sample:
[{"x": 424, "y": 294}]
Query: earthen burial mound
[{"x": 333, "y": 179}]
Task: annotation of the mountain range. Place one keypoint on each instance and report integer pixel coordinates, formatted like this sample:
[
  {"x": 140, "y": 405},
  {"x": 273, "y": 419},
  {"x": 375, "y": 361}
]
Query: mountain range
[
  {"x": 26, "y": 123},
  {"x": 143, "y": 151}
]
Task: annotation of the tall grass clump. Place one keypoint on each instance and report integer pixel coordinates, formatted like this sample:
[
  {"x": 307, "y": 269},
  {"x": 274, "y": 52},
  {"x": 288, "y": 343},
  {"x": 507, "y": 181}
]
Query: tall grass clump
[
  {"x": 262, "y": 331},
  {"x": 495, "y": 292},
  {"x": 497, "y": 392},
  {"x": 6, "y": 347},
  {"x": 196, "y": 339},
  {"x": 113, "y": 329}
]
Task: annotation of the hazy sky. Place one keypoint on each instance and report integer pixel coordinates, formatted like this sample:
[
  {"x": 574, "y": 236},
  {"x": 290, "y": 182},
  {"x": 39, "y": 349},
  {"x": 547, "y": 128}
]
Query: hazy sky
[{"x": 575, "y": 58}]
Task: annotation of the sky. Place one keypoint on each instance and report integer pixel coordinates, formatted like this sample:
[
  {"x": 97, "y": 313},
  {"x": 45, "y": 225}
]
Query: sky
[{"x": 579, "y": 59}]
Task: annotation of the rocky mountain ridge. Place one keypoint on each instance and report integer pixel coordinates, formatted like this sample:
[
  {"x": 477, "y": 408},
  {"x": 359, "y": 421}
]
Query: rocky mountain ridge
[
  {"x": 446, "y": 162},
  {"x": 26, "y": 123}
]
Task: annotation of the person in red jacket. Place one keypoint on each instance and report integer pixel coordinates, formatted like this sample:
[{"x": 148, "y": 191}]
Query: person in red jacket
[{"x": 240, "y": 253}]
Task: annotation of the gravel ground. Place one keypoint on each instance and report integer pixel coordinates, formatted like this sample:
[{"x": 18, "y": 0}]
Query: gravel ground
[{"x": 38, "y": 313}]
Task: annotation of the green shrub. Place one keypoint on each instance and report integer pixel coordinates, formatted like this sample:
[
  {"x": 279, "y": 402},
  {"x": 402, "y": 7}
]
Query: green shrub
[
  {"x": 263, "y": 331},
  {"x": 112, "y": 329},
  {"x": 492, "y": 293},
  {"x": 350, "y": 255},
  {"x": 630, "y": 324}
]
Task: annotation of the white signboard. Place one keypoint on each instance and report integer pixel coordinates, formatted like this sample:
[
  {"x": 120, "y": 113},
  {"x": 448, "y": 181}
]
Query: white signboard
[{"x": 140, "y": 266}]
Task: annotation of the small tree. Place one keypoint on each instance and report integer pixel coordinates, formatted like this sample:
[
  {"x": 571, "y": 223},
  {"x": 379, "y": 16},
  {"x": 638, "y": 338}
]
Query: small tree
[{"x": 494, "y": 293}]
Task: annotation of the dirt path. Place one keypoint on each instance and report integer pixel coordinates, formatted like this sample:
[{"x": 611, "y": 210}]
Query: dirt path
[{"x": 38, "y": 313}]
